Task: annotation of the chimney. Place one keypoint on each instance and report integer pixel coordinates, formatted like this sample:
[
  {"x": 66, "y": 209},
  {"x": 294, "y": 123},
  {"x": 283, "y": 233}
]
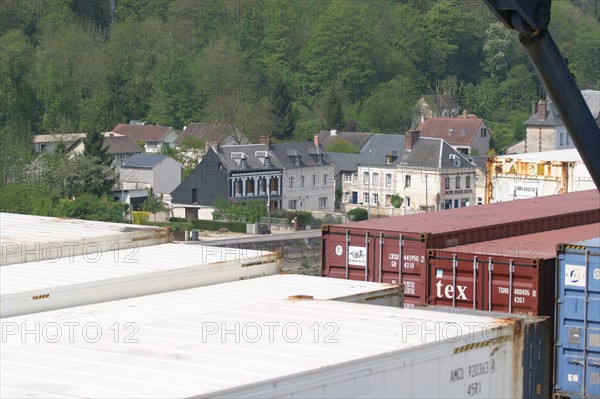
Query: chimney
[
  {"x": 422, "y": 118},
  {"x": 333, "y": 132},
  {"x": 534, "y": 107},
  {"x": 542, "y": 110},
  {"x": 212, "y": 143},
  {"x": 266, "y": 141},
  {"x": 465, "y": 113},
  {"x": 411, "y": 137},
  {"x": 316, "y": 140}
]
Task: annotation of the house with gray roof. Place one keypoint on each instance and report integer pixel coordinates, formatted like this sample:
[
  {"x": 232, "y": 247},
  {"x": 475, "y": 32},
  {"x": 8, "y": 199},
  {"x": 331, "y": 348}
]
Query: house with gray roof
[
  {"x": 141, "y": 173},
  {"x": 427, "y": 173},
  {"x": 119, "y": 148},
  {"x": 546, "y": 130},
  {"x": 297, "y": 175}
]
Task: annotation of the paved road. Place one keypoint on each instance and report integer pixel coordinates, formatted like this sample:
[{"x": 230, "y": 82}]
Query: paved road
[{"x": 296, "y": 235}]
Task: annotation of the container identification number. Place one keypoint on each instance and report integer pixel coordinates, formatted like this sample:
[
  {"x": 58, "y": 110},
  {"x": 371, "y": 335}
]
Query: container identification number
[
  {"x": 478, "y": 369},
  {"x": 474, "y": 388},
  {"x": 409, "y": 260}
]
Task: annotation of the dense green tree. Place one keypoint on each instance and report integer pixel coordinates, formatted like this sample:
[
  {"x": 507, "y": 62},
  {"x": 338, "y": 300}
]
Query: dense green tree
[
  {"x": 139, "y": 10},
  {"x": 497, "y": 49},
  {"x": 452, "y": 40},
  {"x": 93, "y": 148},
  {"x": 132, "y": 53},
  {"x": 16, "y": 90},
  {"x": 341, "y": 145},
  {"x": 389, "y": 108},
  {"x": 171, "y": 102},
  {"x": 345, "y": 46},
  {"x": 332, "y": 108},
  {"x": 285, "y": 119},
  {"x": 69, "y": 74},
  {"x": 584, "y": 61}
]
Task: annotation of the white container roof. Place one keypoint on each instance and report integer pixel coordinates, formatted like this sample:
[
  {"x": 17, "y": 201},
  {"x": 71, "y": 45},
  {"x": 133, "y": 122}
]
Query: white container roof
[
  {"x": 179, "y": 344},
  {"x": 30, "y": 229},
  {"x": 131, "y": 262}
]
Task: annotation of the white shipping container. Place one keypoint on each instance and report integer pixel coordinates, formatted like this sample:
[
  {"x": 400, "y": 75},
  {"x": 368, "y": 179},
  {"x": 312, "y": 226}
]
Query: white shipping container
[
  {"x": 27, "y": 238},
  {"x": 79, "y": 280},
  {"x": 178, "y": 345}
]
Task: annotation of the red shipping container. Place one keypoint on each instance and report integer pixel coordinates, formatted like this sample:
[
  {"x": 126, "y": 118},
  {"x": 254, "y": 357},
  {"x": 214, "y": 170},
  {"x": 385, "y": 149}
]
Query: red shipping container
[
  {"x": 346, "y": 254},
  {"x": 514, "y": 275},
  {"x": 372, "y": 250}
]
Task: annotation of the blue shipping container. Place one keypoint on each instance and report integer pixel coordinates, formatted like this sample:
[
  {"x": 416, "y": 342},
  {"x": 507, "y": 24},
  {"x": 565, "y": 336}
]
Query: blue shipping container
[{"x": 577, "y": 325}]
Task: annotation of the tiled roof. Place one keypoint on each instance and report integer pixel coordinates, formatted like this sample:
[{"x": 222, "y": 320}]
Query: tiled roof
[
  {"x": 456, "y": 131},
  {"x": 143, "y": 132}
]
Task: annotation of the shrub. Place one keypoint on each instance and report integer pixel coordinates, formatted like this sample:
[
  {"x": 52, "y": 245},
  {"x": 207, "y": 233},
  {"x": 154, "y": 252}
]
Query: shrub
[
  {"x": 358, "y": 214},
  {"x": 140, "y": 217},
  {"x": 176, "y": 226},
  {"x": 215, "y": 225},
  {"x": 396, "y": 200},
  {"x": 90, "y": 207}
]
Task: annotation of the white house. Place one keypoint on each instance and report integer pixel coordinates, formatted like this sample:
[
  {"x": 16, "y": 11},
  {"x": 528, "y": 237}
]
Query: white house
[
  {"x": 426, "y": 173},
  {"x": 142, "y": 172}
]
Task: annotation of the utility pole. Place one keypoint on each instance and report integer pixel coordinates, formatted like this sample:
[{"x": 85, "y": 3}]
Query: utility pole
[
  {"x": 426, "y": 195},
  {"x": 369, "y": 187}
]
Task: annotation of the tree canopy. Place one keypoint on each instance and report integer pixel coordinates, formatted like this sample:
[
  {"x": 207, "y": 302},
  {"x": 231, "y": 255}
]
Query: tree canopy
[{"x": 269, "y": 68}]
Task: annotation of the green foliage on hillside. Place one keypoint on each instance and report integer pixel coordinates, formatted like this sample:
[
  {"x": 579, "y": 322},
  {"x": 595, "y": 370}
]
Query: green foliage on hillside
[{"x": 271, "y": 67}]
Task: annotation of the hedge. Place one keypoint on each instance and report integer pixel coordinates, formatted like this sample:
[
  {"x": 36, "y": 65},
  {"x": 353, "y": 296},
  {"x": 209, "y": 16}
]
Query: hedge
[
  {"x": 214, "y": 225},
  {"x": 176, "y": 226}
]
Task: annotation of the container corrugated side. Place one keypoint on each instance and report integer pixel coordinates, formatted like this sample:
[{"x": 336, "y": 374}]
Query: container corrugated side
[
  {"x": 538, "y": 340},
  {"x": 346, "y": 254},
  {"x": 514, "y": 275},
  {"x": 26, "y": 238},
  {"x": 395, "y": 249},
  {"x": 176, "y": 345},
  {"x": 577, "y": 326},
  {"x": 72, "y": 281}
]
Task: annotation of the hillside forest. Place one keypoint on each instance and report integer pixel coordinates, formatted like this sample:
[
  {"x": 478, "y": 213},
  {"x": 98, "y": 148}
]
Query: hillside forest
[{"x": 283, "y": 68}]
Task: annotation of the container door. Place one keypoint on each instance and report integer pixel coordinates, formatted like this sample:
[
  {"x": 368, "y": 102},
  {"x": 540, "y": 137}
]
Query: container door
[
  {"x": 577, "y": 355},
  {"x": 346, "y": 255},
  {"x": 402, "y": 260},
  {"x": 516, "y": 286},
  {"x": 455, "y": 280}
]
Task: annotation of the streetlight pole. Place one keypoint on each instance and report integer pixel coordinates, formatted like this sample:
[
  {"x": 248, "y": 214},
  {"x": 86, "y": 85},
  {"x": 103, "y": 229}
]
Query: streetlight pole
[
  {"x": 122, "y": 191},
  {"x": 369, "y": 187},
  {"x": 269, "y": 203}
]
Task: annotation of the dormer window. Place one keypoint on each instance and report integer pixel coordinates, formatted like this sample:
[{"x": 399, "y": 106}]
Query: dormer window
[
  {"x": 297, "y": 160},
  {"x": 243, "y": 164}
]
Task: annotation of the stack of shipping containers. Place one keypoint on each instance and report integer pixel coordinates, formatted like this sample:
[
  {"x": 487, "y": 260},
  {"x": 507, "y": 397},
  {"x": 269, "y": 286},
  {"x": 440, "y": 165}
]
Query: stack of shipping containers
[
  {"x": 395, "y": 250},
  {"x": 513, "y": 275},
  {"x": 227, "y": 344}
]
